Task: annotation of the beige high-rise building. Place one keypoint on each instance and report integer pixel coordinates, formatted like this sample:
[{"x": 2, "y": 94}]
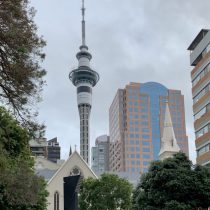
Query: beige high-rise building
[
  {"x": 200, "y": 75},
  {"x": 136, "y": 121}
]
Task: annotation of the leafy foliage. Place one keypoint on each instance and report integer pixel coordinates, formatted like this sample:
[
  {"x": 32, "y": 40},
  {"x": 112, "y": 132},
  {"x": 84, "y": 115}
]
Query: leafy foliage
[
  {"x": 173, "y": 184},
  {"x": 107, "y": 193},
  {"x": 20, "y": 54},
  {"x": 20, "y": 188}
]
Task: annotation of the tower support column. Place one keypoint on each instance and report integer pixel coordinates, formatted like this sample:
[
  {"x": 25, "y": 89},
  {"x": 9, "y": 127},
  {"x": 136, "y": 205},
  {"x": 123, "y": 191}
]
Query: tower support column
[{"x": 84, "y": 112}]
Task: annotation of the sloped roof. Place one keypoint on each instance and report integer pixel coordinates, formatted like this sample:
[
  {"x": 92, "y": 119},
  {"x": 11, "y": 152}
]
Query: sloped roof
[{"x": 74, "y": 160}]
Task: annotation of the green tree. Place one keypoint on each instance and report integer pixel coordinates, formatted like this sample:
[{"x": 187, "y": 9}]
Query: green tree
[
  {"x": 20, "y": 188},
  {"x": 21, "y": 77},
  {"x": 107, "y": 193},
  {"x": 173, "y": 183}
]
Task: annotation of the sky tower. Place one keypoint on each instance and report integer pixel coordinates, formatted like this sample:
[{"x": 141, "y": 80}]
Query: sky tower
[{"x": 84, "y": 78}]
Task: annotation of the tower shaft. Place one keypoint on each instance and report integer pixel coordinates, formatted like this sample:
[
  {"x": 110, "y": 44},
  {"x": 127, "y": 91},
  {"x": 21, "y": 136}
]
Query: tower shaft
[{"x": 84, "y": 112}]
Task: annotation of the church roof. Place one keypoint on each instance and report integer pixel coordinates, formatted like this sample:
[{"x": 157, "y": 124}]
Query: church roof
[{"x": 74, "y": 160}]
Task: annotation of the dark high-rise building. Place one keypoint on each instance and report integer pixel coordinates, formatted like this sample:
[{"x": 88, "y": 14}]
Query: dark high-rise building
[
  {"x": 53, "y": 150},
  {"x": 136, "y": 121},
  {"x": 84, "y": 78},
  {"x": 200, "y": 75}
]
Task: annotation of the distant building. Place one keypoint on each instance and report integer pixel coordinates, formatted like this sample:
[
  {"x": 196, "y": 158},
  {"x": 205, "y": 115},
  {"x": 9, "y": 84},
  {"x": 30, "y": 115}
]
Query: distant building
[
  {"x": 100, "y": 155},
  {"x": 53, "y": 150},
  {"x": 136, "y": 120},
  {"x": 38, "y": 147},
  {"x": 200, "y": 75},
  {"x": 50, "y": 150}
]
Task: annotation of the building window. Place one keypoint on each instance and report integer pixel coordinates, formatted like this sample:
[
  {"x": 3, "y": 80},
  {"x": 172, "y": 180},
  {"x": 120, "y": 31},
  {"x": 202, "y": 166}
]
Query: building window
[
  {"x": 146, "y": 156},
  {"x": 202, "y": 112},
  {"x": 145, "y": 136},
  {"x": 56, "y": 201},
  {"x": 203, "y": 131},
  {"x": 145, "y": 143},
  {"x": 203, "y": 149},
  {"x": 201, "y": 93},
  {"x": 146, "y": 149},
  {"x": 145, "y": 163}
]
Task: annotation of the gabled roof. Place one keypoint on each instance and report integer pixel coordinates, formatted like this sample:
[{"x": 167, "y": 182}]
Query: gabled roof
[{"x": 74, "y": 160}]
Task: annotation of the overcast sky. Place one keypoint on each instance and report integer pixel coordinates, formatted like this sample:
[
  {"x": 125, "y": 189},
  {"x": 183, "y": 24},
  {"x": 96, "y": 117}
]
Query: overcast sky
[{"x": 130, "y": 40}]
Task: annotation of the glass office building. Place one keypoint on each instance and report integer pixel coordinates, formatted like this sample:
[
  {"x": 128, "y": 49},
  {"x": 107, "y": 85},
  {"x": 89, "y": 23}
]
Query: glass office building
[{"x": 136, "y": 119}]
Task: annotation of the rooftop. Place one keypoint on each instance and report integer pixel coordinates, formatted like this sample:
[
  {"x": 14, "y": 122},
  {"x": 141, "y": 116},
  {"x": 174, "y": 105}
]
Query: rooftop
[{"x": 197, "y": 39}]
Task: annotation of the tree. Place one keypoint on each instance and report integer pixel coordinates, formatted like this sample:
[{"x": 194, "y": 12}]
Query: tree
[
  {"x": 21, "y": 77},
  {"x": 173, "y": 183},
  {"x": 20, "y": 188},
  {"x": 107, "y": 193}
]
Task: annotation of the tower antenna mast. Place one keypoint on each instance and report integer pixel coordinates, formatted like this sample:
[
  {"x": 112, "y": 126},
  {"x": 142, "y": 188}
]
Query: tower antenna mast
[{"x": 83, "y": 23}]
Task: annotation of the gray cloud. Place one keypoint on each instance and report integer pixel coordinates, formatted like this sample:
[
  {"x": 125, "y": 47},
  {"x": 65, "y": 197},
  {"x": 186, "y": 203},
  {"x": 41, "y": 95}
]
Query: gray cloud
[{"x": 136, "y": 40}]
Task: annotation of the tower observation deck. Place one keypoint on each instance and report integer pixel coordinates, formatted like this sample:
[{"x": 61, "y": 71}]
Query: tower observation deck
[{"x": 84, "y": 78}]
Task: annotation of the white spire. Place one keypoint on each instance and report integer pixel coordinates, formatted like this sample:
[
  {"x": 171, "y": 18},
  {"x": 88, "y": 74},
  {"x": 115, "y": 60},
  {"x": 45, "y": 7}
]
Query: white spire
[{"x": 169, "y": 144}]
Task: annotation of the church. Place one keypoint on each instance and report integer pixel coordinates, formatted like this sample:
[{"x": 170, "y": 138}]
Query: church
[{"x": 64, "y": 185}]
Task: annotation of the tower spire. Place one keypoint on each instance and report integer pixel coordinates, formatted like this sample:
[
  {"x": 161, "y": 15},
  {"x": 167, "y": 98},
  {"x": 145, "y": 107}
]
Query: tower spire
[{"x": 83, "y": 23}]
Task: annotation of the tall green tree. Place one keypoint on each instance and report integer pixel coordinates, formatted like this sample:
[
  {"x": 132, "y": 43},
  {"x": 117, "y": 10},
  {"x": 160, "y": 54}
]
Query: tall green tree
[
  {"x": 107, "y": 193},
  {"x": 173, "y": 183},
  {"x": 20, "y": 188},
  {"x": 21, "y": 76}
]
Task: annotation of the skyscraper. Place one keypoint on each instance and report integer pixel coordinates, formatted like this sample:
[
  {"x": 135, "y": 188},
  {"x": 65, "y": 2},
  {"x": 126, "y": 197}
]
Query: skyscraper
[
  {"x": 100, "y": 155},
  {"x": 200, "y": 75},
  {"x": 84, "y": 78},
  {"x": 136, "y": 121}
]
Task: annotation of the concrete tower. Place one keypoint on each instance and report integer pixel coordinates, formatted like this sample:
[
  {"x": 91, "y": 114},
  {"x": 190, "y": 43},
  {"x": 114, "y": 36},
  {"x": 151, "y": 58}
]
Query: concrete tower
[
  {"x": 169, "y": 145},
  {"x": 84, "y": 78}
]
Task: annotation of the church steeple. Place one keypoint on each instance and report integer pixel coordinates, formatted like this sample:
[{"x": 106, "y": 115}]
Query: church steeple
[{"x": 169, "y": 144}]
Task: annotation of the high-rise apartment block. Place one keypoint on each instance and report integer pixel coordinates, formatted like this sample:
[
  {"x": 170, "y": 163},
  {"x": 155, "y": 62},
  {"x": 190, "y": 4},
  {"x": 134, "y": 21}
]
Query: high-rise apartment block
[
  {"x": 200, "y": 75},
  {"x": 100, "y": 155},
  {"x": 136, "y": 120}
]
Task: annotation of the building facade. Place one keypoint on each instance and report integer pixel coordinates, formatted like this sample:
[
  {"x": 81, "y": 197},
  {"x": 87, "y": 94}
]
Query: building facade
[
  {"x": 136, "y": 120},
  {"x": 200, "y": 75},
  {"x": 38, "y": 147},
  {"x": 50, "y": 149},
  {"x": 100, "y": 155},
  {"x": 53, "y": 150}
]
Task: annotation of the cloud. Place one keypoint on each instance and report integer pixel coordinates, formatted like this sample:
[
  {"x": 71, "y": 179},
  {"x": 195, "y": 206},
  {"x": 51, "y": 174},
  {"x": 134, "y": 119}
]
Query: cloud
[{"x": 136, "y": 40}]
